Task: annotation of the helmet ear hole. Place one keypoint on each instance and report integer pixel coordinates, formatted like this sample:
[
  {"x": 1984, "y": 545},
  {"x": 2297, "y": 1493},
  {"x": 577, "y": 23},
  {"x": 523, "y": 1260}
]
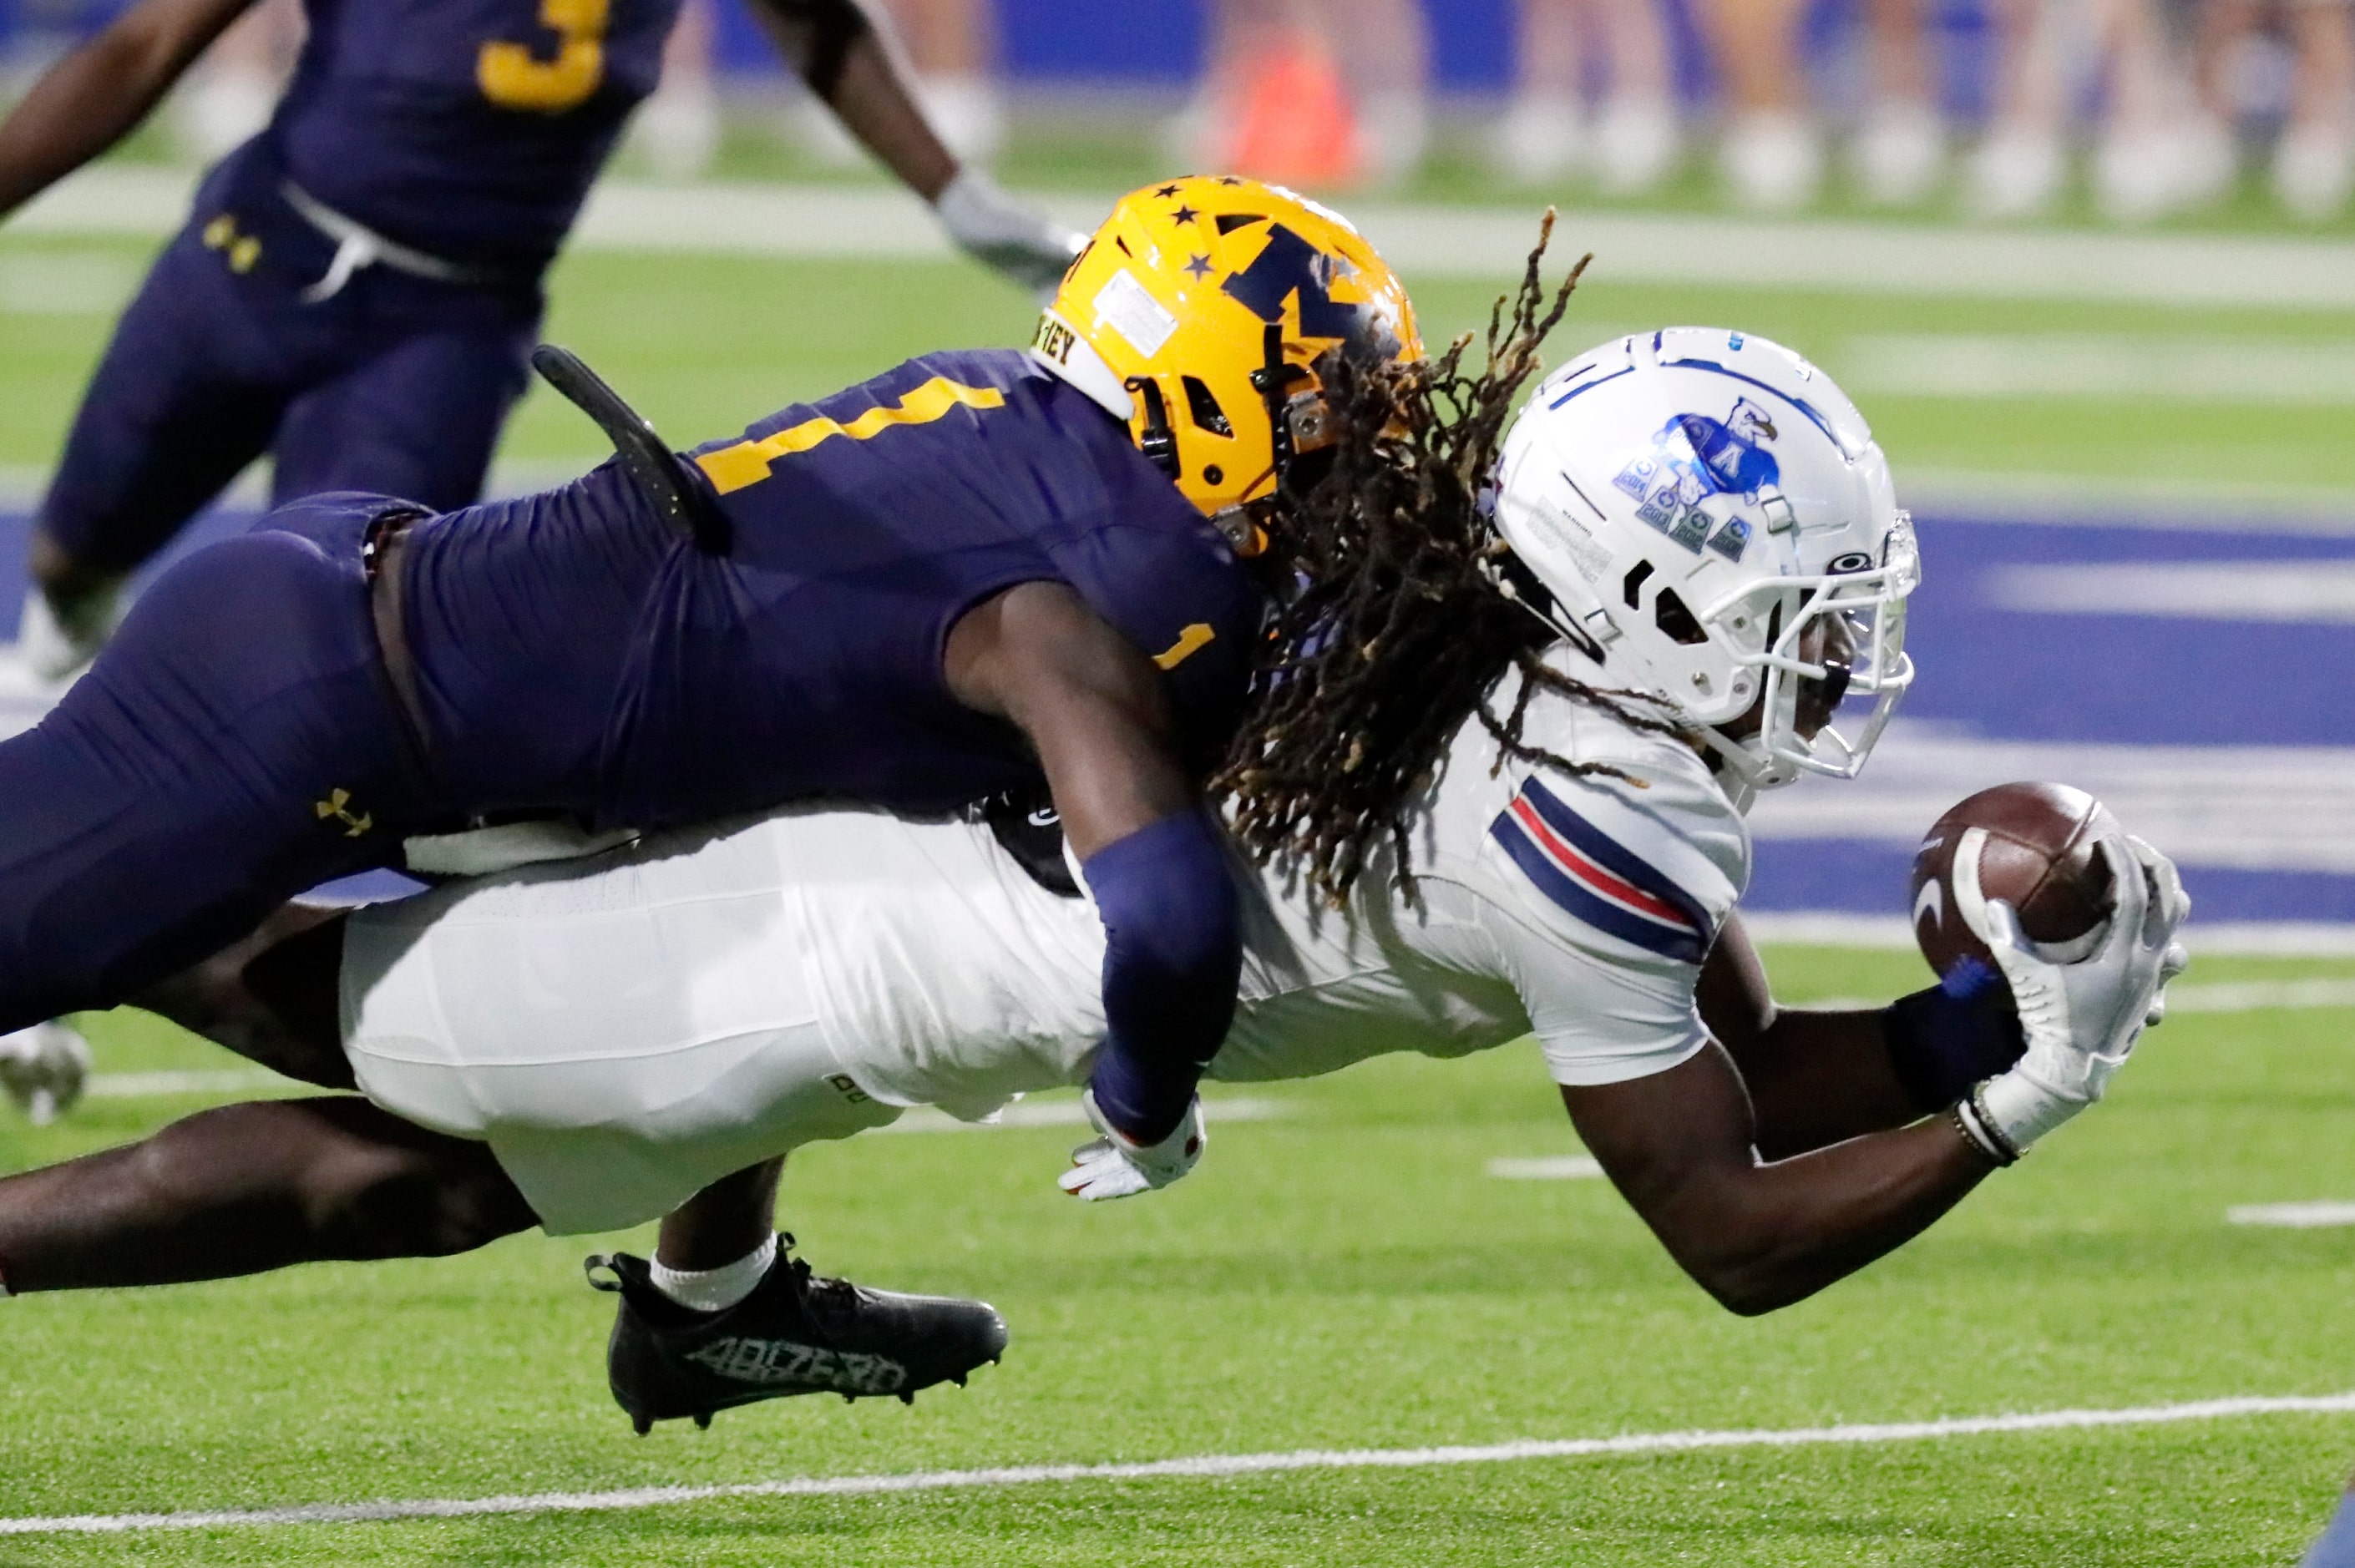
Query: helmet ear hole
[
  {"x": 1674, "y": 620},
  {"x": 1631, "y": 591},
  {"x": 1203, "y": 405}
]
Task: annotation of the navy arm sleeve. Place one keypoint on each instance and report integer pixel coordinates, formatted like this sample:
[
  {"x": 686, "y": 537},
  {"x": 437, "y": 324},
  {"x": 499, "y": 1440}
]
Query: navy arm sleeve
[{"x": 1173, "y": 954}]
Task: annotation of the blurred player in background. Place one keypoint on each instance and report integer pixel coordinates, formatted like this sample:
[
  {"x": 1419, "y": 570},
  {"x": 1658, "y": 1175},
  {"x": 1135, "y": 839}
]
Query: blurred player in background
[
  {"x": 1512, "y": 842},
  {"x": 226, "y": 97},
  {"x": 2314, "y": 161},
  {"x": 2154, "y": 152},
  {"x": 677, "y": 131},
  {"x": 1324, "y": 93},
  {"x": 358, "y": 286},
  {"x": 952, "y": 49},
  {"x": 1629, "y": 141},
  {"x": 1772, "y": 153}
]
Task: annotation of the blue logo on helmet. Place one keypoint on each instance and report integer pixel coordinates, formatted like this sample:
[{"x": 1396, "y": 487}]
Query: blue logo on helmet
[{"x": 1696, "y": 457}]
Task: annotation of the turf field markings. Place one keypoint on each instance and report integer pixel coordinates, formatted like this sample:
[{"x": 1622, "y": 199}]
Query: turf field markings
[
  {"x": 2283, "y": 592},
  {"x": 2182, "y": 997},
  {"x": 1548, "y": 1168},
  {"x": 159, "y": 1086},
  {"x": 1892, "y": 933},
  {"x": 2138, "y": 366},
  {"x": 2274, "y": 272},
  {"x": 2192, "y": 799},
  {"x": 2293, "y": 1216},
  {"x": 1068, "y": 1113},
  {"x": 1201, "y": 1467}
]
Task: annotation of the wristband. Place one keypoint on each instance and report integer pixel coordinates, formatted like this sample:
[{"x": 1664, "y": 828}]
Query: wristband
[
  {"x": 1970, "y": 1115},
  {"x": 1956, "y": 1034}
]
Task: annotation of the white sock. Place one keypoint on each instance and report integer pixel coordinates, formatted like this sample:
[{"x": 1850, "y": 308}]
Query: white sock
[{"x": 716, "y": 1289}]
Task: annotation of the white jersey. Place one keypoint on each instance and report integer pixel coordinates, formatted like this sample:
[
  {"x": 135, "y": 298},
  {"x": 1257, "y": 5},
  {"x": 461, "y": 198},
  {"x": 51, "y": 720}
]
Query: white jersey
[
  {"x": 1576, "y": 908},
  {"x": 656, "y": 988}
]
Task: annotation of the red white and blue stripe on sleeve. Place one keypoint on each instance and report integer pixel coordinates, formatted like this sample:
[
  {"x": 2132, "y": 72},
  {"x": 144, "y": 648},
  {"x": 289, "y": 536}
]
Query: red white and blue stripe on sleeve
[{"x": 1595, "y": 879}]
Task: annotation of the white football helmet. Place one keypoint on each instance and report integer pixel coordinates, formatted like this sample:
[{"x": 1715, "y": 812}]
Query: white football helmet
[{"x": 1705, "y": 516}]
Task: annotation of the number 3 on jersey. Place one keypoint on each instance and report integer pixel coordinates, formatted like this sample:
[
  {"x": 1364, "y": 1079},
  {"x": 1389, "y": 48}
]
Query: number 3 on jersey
[{"x": 512, "y": 77}]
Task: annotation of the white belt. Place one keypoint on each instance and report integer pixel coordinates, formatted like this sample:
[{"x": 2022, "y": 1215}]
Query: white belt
[{"x": 358, "y": 246}]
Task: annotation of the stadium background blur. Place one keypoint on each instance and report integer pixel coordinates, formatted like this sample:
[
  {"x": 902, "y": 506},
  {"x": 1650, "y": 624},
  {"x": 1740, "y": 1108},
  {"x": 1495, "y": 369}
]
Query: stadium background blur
[{"x": 2121, "y": 411}]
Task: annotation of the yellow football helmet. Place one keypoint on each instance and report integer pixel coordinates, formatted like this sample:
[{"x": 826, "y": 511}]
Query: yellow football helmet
[{"x": 1196, "y": 315}]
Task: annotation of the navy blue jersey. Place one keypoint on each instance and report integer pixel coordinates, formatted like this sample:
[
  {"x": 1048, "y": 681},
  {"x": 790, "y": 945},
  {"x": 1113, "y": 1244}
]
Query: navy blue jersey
[
  {"x": 573, "y": 653},
  {"x": 469, "y": 129}
]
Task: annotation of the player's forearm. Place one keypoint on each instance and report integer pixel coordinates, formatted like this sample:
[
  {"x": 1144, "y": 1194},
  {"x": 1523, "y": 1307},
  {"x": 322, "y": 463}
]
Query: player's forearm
[
  {"x": 1173, "y": 953},
  {"x": 847, "y": 62},
  {"x": 1680, "y": 1146},
  {"x": 1818, "y": 1078},
  {"x": 1774, "y": 1234},
  {"x": 87, "y": 103}
]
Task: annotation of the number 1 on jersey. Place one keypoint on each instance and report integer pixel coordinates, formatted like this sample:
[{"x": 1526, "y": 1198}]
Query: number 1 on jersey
[{"x": 512, "y": 77}]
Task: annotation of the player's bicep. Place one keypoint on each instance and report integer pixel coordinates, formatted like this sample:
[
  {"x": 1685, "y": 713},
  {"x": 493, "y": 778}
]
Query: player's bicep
[
  {"x": 1671, "y": 1141},
  {"x": 1605, "y": 912},
  {"x": 1089, "y": 702}
]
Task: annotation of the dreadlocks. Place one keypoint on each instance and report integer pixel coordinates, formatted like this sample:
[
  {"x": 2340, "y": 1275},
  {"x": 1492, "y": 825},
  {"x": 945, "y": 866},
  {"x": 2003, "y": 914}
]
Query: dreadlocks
[{"x": 1400, "y": 631}]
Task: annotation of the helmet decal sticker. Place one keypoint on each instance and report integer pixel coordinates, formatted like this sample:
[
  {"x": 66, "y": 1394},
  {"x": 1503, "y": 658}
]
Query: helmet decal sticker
[
  {"x": 1125, "y": 305},
  {"x": 1289, "y": 265},
  {"x": 1730, "y": 453},
  {"x": 1699, "y": 457}
]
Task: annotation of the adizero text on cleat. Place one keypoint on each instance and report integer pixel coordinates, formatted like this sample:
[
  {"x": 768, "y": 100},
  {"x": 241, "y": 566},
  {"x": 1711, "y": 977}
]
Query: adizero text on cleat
[{"x": 798, "y": 1333}]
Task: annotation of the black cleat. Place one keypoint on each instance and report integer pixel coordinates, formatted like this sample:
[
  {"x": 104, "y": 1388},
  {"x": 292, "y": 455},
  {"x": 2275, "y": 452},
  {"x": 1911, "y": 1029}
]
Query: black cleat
[{"x": 798, "y": 1333}]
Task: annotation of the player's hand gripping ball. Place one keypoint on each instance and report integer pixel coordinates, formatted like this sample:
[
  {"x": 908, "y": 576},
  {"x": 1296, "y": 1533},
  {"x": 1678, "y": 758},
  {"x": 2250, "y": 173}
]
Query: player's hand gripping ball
[
  {"x": 2038, "y": 847},
  {"x": 2037, "y": 882}
]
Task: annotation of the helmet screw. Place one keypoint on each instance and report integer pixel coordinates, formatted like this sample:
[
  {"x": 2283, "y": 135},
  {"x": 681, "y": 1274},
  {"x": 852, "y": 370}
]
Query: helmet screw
[
  {"x": 1701, "y": 679},
  {"x": 1214, "y": 474}
]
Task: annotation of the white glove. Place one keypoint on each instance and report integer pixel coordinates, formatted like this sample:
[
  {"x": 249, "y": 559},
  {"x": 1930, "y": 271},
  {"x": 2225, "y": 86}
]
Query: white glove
[
  {"x": 2080, "y": 1019},
  {"x": 44, "y": 1069},
  {"x": 1014, "y": 237},
  {"x": 1116, "y": 1166}
]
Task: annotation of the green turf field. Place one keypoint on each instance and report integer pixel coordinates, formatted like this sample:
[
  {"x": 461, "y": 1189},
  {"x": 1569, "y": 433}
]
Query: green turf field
[
  {"x": 1345, "y": 1276},
  {"x": 707, "y": 343}
]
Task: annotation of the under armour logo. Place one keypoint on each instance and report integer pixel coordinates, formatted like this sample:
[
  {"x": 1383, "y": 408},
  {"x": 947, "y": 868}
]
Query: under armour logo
[{"x": 337, "y": 807}]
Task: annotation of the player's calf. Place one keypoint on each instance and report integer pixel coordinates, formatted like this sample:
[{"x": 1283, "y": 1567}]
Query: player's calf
[
  {"x": 242, "y": 1189},
  {"x": 794, "y": 1331}
]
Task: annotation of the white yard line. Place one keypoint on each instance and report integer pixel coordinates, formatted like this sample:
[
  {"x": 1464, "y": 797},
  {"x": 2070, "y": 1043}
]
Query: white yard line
[
  {"x": 1422, "y": 241},
  {"x": 2192, "y": 799},
  {"x": 158, "y": 1086},
  {"x": 1068, "y": 1113},
  {"x": 2257, "y": 938},
  {"x": 2320, "y": 1215},
  {"x": 1198, "y": 1466},
  {"x": 2182, "y": 997}
]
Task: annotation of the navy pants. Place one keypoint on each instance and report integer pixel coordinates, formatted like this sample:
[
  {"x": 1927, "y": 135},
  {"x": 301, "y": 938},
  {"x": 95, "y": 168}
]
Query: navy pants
[
  {"x": 237, "y": 744},
  {"x": 394, "y": 384}
]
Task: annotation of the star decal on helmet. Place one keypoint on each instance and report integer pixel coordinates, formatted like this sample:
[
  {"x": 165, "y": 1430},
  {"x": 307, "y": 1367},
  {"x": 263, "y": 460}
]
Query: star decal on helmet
[
  {"x": 1166, "y": 191},
  {"x": 1199, "y": 268},
  {"x": 1185, "y": 214}
]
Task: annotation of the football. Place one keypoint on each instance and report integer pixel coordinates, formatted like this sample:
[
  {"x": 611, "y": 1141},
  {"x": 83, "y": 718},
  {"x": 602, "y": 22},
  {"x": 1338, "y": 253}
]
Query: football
[{"x": 2036, "y": 849}]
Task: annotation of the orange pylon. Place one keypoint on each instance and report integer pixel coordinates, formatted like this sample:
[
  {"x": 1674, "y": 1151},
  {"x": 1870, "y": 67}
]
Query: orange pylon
[{"x": 1295, "y": 125}]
